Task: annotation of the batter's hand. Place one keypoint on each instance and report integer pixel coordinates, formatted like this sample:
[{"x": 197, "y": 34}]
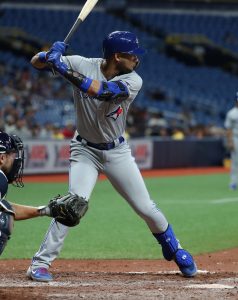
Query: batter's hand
[
  {"x": 59, "y": 47},
  {"x": 54, "y": 60}
]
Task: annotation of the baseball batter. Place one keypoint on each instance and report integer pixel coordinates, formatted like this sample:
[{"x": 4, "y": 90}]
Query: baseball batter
[
  {"x": 103, "y": 90},
  {"x": 231, "y": 125}
]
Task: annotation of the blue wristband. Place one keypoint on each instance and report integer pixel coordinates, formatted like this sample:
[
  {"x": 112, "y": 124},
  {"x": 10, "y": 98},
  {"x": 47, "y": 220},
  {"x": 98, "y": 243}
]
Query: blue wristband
[
  {"x": 86, "y": 84},
  {"x": 42, "y": 56}
]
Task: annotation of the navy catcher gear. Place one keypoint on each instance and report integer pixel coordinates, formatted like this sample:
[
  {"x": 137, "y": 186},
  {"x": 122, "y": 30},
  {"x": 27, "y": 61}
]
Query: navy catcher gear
[
  {"x": 9, "y": 144},
  {"x": 6, "y": 143},
  {"x": 121, "y": 42},
  {"x": 6, "y": 223}
]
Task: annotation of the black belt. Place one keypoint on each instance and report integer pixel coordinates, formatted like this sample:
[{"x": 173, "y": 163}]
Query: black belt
[{"x": 101, "y": 146}]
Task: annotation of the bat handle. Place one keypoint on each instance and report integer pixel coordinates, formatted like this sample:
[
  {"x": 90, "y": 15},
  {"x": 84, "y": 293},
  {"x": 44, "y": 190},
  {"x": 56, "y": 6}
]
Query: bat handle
[{"x": 72, "y": 30}]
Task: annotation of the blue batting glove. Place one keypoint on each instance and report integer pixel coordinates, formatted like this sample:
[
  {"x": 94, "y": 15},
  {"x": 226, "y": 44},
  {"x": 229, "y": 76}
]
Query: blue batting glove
[
  {"x": 60, "y": 47},
  {"x": 54, "y": 59}
]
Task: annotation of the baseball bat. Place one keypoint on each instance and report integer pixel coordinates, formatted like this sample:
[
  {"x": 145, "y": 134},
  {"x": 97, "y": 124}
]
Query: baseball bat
[{"x": 87, "y": 8}]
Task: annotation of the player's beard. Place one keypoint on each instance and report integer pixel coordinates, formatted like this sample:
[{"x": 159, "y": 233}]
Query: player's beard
[{"x": 125, "y": 70}]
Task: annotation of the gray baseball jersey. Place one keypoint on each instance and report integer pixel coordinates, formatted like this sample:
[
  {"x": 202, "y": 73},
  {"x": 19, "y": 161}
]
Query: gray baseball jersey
[
  {"x": 231, "y": 122},
  {"x": 101, "y": 121}
]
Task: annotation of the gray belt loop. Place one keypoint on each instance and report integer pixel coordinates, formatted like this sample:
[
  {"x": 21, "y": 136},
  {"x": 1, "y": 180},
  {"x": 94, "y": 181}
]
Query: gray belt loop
[
  {"x": 84, "y": 142},
  {"x": 116, "y": 142}
]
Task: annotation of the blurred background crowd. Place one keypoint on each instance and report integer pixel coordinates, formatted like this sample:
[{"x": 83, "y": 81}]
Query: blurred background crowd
[{"x": 190, "y": 71}]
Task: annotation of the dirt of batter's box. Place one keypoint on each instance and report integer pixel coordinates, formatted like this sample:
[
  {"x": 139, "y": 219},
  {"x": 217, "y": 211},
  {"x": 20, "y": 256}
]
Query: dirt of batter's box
[{"x": 124, "y": 279}]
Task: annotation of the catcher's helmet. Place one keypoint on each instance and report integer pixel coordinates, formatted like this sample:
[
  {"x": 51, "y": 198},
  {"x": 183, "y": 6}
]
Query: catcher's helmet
[
  {"x": 121, "y": 42},
  {"x": 9, "y": 144}
]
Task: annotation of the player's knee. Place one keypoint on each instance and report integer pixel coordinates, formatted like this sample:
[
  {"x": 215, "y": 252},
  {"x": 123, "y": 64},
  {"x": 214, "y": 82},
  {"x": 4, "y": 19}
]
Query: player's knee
[{"x": 147, "y": 211}]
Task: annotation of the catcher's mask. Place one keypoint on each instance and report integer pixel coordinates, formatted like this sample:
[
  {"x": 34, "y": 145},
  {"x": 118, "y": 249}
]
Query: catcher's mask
[
  {"x": 13, "y": 144},
  {"x": 121, "y": 42}
]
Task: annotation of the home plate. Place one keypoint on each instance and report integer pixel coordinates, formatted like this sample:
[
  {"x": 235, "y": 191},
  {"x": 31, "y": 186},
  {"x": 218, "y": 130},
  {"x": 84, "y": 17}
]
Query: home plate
[{"x": 209, "y": 286}]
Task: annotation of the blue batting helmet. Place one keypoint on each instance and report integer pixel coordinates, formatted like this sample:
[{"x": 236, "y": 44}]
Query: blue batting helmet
[{"x": 121, "y": 42}]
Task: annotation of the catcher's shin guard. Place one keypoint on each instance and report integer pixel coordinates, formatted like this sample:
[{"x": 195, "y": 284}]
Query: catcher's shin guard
[{"x": 3, "y": 241}]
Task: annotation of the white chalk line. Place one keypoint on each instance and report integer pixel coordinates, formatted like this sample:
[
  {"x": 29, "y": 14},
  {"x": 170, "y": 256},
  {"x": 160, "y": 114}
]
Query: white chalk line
[
  {"x": 209, "y": 286},
  {"x": 224, "y": 200},
  {"x": 202, "y": 201},
  {"x": 167, "y": 272},
  {"x": 43, "y": 284},
  {"x": 75, "y": 285}
]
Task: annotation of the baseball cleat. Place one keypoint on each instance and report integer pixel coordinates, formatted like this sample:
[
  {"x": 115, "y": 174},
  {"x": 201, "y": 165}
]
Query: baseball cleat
[
  {"x": 185, "y": 262},
  {"x": 39, "y": 274}
]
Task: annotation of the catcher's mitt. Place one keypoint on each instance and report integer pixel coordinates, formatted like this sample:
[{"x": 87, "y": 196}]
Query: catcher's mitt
[
  {"x": 6, "y": 223},
  {"x": 68, "y": 209}
]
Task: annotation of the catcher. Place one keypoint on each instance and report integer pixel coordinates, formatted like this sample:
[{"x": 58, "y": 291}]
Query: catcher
[{"x": 66, "y": 210}]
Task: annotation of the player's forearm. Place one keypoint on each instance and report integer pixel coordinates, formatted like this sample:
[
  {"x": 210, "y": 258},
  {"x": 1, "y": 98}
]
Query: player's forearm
[
  {"x": 85, "y": 84},
  {"x": 229, "y": 136},
  {"x": 229, "y": 139},
  {"x": 102, "y": 90},
  {"x": 23, "y": 212}
]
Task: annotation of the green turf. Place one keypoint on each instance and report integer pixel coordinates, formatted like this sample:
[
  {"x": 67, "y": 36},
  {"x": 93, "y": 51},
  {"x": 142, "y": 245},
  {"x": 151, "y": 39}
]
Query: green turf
[{"x": 111, "y": 229}]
